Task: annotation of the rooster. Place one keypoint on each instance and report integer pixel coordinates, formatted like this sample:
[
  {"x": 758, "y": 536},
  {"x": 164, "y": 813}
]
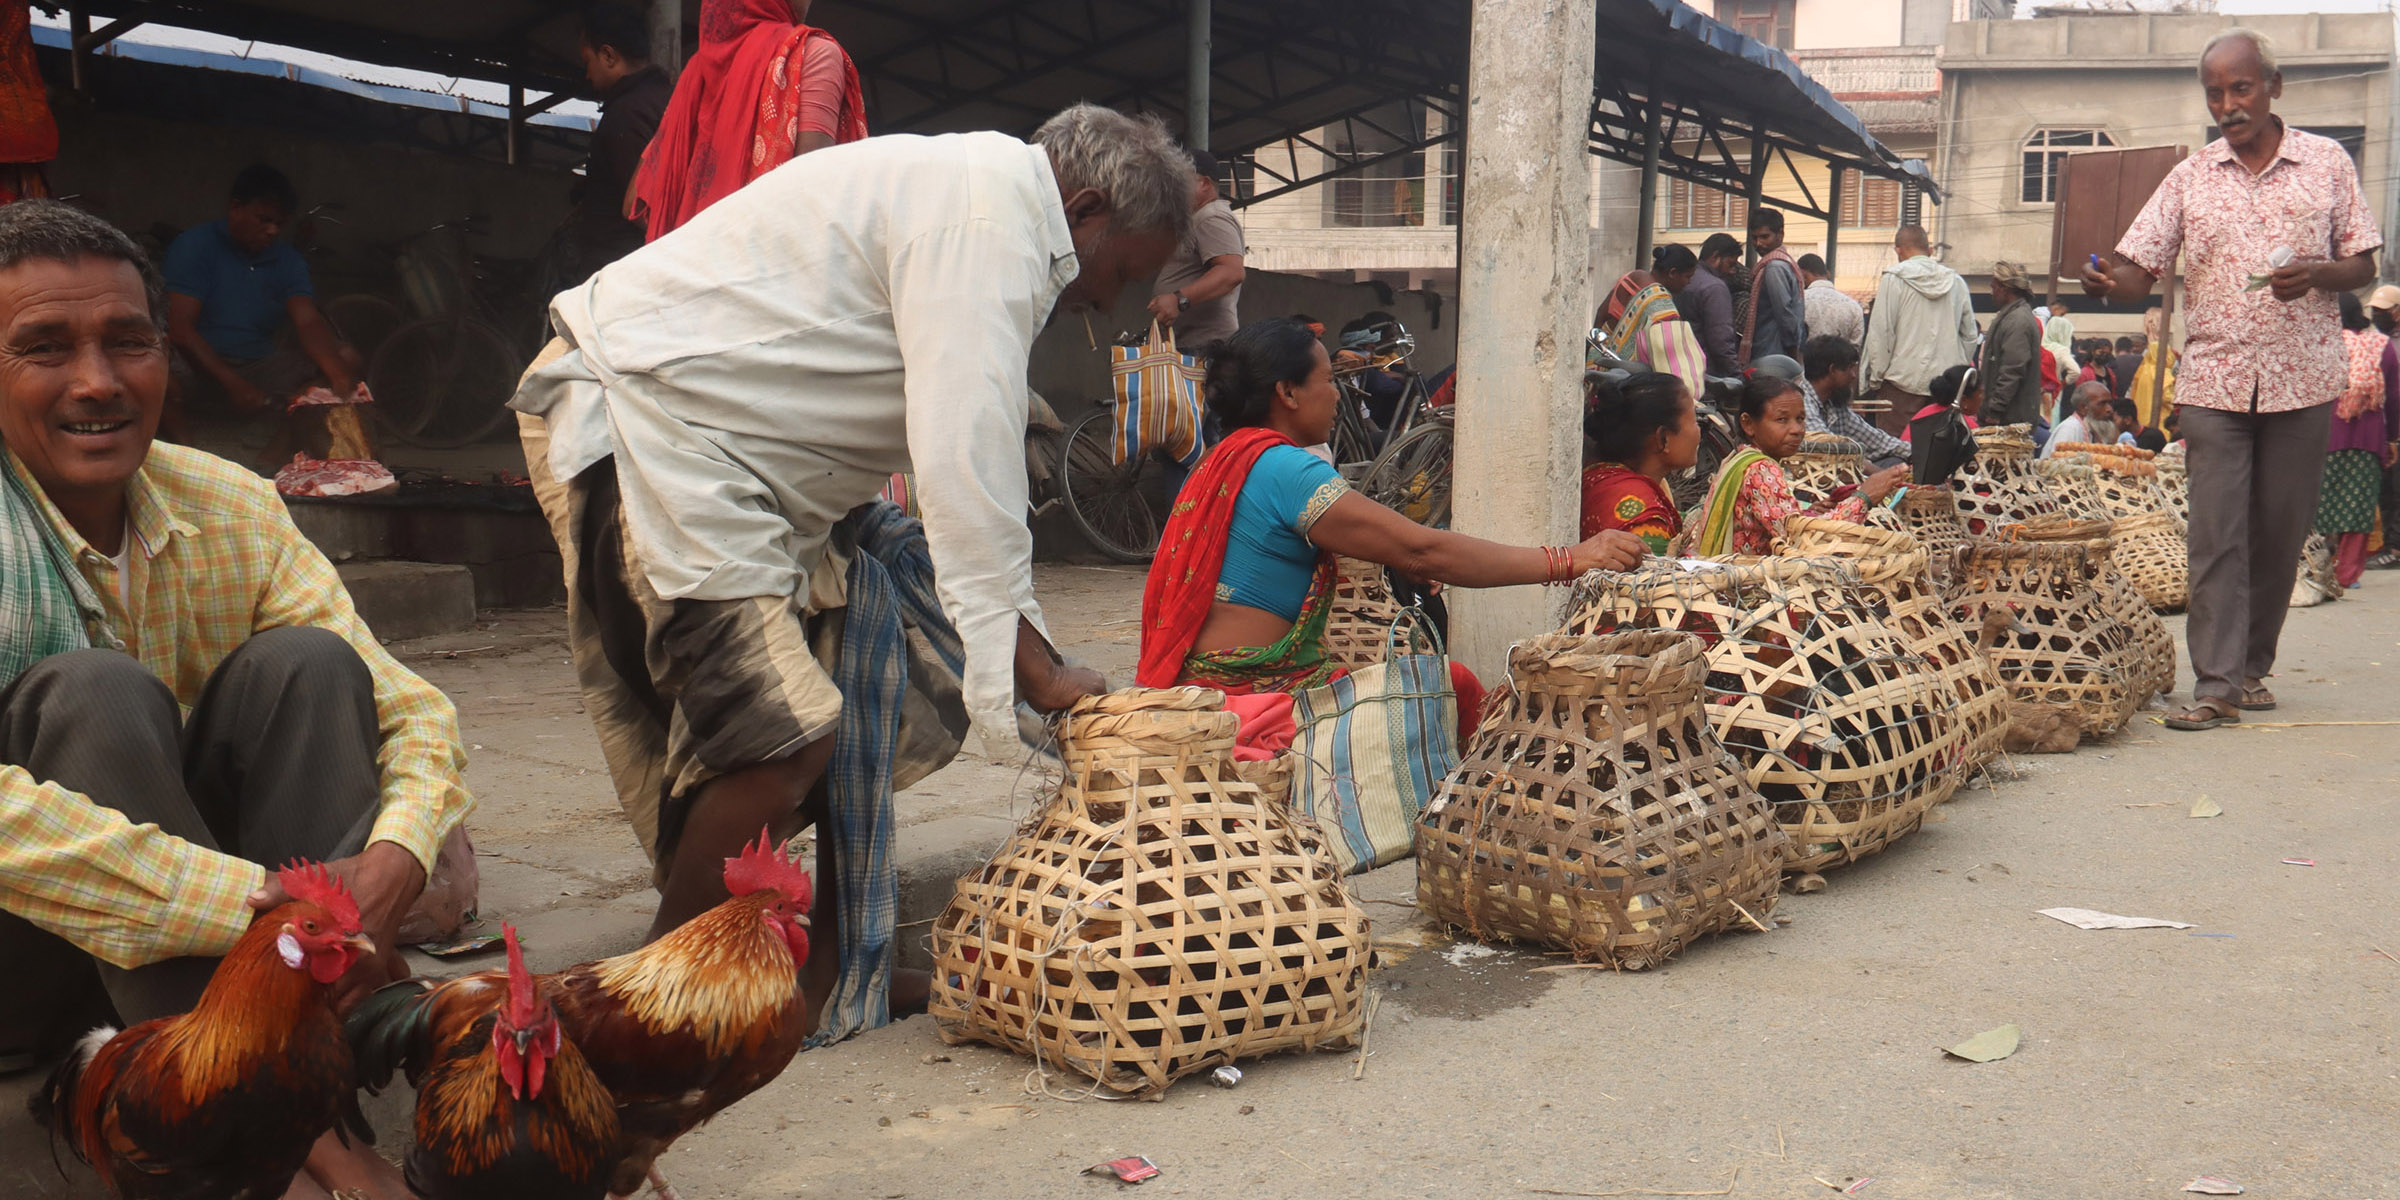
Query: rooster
[
  {"x": 507, "y": 1108},
  {"x": 223, "y": 1102},
  {"x": 682, "y": 1028}
]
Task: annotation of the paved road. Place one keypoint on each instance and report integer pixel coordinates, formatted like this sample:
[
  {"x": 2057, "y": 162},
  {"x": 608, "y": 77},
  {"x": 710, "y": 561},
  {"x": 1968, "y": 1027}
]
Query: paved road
[{"x": 1808, "y": 1054}]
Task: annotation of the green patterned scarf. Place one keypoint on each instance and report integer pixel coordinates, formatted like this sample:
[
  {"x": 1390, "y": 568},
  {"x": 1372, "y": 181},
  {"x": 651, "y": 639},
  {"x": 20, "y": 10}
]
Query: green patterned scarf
[{"x": 46, "y": 605}]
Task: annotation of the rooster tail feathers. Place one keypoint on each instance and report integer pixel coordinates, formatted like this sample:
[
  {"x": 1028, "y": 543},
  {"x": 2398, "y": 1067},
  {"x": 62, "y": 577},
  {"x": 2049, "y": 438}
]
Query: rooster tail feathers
[
  {"x": 386, "y": 1030},
  {"x": 53, "y": 1104}
]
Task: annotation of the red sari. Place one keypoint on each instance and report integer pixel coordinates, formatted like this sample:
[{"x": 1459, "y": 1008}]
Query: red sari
[
  {"x": 735, "y": 112},
  {"x": 1616, "y": 496}
]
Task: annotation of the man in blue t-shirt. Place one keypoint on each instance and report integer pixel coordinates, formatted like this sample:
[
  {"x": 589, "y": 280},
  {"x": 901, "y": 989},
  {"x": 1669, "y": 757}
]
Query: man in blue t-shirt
[{"x": 241, "y": 310}]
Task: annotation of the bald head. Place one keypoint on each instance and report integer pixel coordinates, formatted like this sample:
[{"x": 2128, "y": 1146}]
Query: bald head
[
  {"x": 1912, "y": 241},
  {"x": 2091, "y": 399},
  {"x": 2240, "y": 49}
]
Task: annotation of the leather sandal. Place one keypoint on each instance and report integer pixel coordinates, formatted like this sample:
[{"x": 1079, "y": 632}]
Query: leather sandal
[
  {"x": 2255, "y": 697},
  {"x": 2207, "y": 712}
]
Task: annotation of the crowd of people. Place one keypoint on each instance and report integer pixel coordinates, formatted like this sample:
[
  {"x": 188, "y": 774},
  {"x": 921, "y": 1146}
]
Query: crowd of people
[{"x": 781, "y": 313}]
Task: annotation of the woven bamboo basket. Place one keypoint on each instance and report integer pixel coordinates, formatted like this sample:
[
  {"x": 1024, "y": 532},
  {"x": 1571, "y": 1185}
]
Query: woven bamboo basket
[
  {"x": 1826, "y": 461},
  {"x": 1834, "y": 719},
  {"x": 2174, "y": 482},
  {"x": 2316, "y": 582},
  {"x": 2075, "y": 485},
  {"x": 1896, "y": 570},
  {"x": 1999, "y": 487},
  {"x": 2153, "y": 646},
  {"x": 2128, "y": 478},
  {"x": 1158, "y": 916},
  {"x": 1359, "y": 627},
  {"x": 2152, "y": 555},
  {"x": 1596, "y": 812},
  {"x": 2064, "y": 649},
  {"x": 1930, "y": 512}
]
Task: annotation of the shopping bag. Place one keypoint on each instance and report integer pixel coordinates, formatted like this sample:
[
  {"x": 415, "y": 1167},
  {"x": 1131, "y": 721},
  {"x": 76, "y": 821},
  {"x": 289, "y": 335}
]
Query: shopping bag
[
  {"x": 1374, "y": 744},
  {"x": 1158, "y": 399}
]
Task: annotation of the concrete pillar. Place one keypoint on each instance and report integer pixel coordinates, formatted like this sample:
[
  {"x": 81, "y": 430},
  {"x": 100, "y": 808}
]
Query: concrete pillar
[
  {"x": 666, "y": 36},
  {"x": 1197, "y": 50},
  {"x": 1524, "y": 297}
]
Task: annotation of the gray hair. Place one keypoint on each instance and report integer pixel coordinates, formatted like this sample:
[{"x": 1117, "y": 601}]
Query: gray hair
[
  {"x": 57, "y": 232},
  {"x": 2258, "y": 42},
  {"x": 1131, "y": 160}
]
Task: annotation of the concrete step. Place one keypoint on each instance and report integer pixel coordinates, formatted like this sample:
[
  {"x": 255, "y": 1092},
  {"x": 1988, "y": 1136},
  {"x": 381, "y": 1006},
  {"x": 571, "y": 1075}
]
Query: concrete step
[{"x": 411, "y": 599}]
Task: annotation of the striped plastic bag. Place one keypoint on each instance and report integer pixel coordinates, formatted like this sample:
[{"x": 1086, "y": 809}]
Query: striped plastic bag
[
  {"x": 1158, "y": 399},
  {"x": 1374, "y": 745}
]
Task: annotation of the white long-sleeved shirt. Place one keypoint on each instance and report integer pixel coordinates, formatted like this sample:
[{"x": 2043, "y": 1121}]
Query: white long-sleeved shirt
[{"x": 862, "y": 310}]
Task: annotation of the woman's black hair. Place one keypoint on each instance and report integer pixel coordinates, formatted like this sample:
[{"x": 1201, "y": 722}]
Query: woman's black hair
[
  {"x": 1672, "y": 258},
  {"x": 2354, "y": 314},
  {"x": 1244, "y": 369},
  {"x": 1720, "y": 245},
  {"x": 1946, "y": 385},
  {"x": 1759, "y": 391},
  {"x": 1624, "y": 416}
]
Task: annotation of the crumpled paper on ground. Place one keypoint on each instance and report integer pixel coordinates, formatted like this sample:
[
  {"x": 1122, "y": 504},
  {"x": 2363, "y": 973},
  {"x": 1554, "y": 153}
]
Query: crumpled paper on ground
[{"x": 2085, "y": 918}]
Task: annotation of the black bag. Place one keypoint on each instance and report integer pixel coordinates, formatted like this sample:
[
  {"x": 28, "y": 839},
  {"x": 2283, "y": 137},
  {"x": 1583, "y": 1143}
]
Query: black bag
[{"x": 1939, "y": 444}]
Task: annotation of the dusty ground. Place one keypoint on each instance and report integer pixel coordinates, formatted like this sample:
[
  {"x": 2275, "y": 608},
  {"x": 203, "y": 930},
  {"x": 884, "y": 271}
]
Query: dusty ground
[{"x": 1794, "y": 1058}]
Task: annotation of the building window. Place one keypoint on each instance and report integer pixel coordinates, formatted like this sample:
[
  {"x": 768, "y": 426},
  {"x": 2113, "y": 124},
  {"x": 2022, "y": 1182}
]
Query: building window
[
  {"x": 1769, "y": 21},
  {"x": 2038, "y": 183},
  {"x": 1870, "y": 203},
  {"x": 1386, "y": 193},
  {"x": 1690, "y": 206}
]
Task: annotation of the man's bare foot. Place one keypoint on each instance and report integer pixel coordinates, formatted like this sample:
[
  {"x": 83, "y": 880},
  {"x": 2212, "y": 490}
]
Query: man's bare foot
[
  {"x": 911, "y": 991},
  {"x": 355, "y": 1169}
]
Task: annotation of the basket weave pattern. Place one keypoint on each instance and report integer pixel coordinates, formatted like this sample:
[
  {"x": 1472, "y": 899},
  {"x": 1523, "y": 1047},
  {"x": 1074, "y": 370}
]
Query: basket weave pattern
[
  {"x": 2065, "y": 647},
  {"x": 1358, "y": 629},
  {"x": 1826, "y": 461},
  {"x": 2174, "y": 482},
  {"x": 1896, "y": 571},
  {"x": 2153, "y": 646},
  {"x": 1157, "y": 916},
  {"x": 1999, "y": 487},
  {"x": 2154, "y": 557},
  {"x": 1595, "y": 812},
  {"x": 1835, "y": 720},
  {"x": 2076, "y": 487}
]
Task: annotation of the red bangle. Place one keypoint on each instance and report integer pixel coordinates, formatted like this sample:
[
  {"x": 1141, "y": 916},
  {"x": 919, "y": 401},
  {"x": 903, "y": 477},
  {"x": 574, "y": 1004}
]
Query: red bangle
[{"x": 1562, "y": 564}]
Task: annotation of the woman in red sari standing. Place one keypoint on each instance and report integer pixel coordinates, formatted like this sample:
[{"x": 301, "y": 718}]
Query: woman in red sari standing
[
  {"x": 1243, "y": 583},
  {"x": 764, "y": 88}
]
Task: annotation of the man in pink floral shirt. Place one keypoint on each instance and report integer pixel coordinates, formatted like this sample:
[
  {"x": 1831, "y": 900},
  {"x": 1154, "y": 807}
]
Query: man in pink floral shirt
[{"x": 2263, "y": 359}]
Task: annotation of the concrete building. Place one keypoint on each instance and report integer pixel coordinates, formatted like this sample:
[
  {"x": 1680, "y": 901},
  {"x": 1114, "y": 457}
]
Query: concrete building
[{"x": 2021, "y": 95}]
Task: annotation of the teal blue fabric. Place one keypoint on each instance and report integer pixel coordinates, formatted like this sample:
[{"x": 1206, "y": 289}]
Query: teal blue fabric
[
  {"x": 1269, "y": 562},
  {"x": 241, "y": 294},
  {"x": 45, "y": 603}
]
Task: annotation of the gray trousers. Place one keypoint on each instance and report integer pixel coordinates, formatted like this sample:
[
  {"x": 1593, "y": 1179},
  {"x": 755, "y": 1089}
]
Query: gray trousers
[
  {"x": 277, "y": 762},
  {"x": 2254, "y": 484}
]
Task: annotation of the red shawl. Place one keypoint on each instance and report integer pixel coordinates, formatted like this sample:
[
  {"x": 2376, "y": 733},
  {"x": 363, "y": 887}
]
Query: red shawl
[
  {"x": 1191, "y": 554},
  {"x": 27, "y": 133},
  {"x": 730, "y": 120}
]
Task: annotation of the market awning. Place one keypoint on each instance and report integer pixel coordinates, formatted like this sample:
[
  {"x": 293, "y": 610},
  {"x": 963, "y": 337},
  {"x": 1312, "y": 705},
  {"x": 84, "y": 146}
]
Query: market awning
[{"x": 1281, "y": 71}]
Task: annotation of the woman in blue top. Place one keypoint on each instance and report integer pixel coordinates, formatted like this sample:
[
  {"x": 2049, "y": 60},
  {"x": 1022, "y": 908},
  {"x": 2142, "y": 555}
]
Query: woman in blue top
[{"x": 1239, "y": 593}]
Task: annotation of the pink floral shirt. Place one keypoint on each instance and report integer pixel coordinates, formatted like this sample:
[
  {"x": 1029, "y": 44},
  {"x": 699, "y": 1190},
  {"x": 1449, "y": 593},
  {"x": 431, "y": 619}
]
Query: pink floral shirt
[
  {"x": 1766, "y": 502},
  {"x": 2246, "y": 350}
]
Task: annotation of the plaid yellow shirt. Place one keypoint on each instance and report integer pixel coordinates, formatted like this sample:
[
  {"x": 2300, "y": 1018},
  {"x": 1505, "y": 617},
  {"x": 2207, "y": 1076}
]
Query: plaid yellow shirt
[{"x": 215, "y": 558}]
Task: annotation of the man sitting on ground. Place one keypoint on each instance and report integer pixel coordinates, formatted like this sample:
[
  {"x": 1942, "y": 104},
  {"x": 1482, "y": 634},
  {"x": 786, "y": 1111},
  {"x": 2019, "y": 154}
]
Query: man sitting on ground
[
  {"x": 1832, "y": 383},
  {"x": 189, "y": 695},
  {"x": 2091, "y": 423},
  {"x": 241, "y": 308}
]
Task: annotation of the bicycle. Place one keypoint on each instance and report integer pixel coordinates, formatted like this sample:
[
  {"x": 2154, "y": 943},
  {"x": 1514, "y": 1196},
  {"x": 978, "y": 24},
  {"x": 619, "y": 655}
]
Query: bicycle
[{"x": 444, "y": 380}]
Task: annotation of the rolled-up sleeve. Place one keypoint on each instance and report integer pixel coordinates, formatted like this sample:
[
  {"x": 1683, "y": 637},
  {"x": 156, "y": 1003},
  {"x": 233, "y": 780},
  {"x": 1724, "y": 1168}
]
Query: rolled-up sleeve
[
  {"x": 420, "y": 757},
  {"x": 967, "y": 300},
  {"x": 127, "y": 894}
]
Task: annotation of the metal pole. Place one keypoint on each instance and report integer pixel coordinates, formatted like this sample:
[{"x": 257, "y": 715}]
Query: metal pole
[
  {"x": 1524, "y": 297},
  {"x": 1833, "y": 224},
  {"x": 666, "y": 36},
  {"x": 516, "y": 121},
  {"x": 1195, "y": 75},
  {"x": 79, "y": 32},
  {"x": 1646, "y": 228},
  {"x": 1755, "y": 191}
]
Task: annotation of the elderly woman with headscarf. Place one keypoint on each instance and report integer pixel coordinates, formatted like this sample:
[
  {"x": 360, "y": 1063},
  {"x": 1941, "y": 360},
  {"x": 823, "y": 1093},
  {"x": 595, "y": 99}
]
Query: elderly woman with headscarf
[
  {"x": 764, "y": 88},
  {"x": 1639, "y": 323}
]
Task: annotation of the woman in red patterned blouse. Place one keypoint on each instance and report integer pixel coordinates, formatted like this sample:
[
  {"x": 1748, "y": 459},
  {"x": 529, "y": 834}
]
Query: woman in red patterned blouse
[
  {"x": 1641, "y": 431},
  {"x": 1751, "y": 498}
]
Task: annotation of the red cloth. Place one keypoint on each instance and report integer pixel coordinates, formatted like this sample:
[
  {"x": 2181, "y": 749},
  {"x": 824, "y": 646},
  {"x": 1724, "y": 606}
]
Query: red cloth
[
  {"x": 1616, "y": 496},
  {"x": 733, "y": 117},
  {"x": 1268, "y": 728},
  {"x": 28, "y": 134},
  {"x": 1191, "y": 554}
]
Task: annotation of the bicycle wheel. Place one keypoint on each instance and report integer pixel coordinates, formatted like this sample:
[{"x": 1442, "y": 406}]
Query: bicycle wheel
[
  {"x": 1413, "y": 477},
  {"x": 444, "y": 381},
  {"x": 1115, "y": 505},
  {"x": 364, "y": 320}
]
